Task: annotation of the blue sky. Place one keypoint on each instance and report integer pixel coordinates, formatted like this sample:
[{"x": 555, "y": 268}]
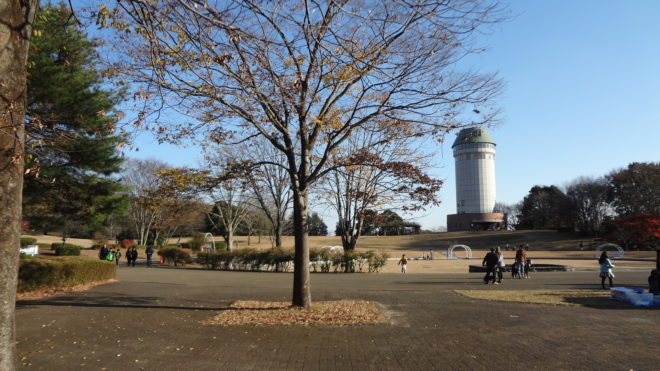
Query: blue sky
[{"x": 582, "y": 97}]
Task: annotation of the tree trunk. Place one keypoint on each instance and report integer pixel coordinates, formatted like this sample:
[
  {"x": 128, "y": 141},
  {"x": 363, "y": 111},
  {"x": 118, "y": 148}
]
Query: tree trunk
[
  {"x": 229, "y": 238},
  {"x": 301, "y": 284},
  {"x": 16, "y": 18},
  {"x": 278, "y": 236}
]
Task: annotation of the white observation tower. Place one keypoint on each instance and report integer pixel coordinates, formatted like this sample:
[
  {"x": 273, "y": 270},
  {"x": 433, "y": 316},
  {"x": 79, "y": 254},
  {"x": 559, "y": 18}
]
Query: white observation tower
[{"x": 474, "y": 156}]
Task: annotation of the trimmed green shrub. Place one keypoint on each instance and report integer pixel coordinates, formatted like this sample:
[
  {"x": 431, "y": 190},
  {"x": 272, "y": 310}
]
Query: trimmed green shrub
[
  {"x": 141, "y": 247},
  {"x": 58, "y": 272},
  {"x": 314, "y": 258},
  {"x": 175, "y": 255},
  {"x": 282, "y": 259},
  {"x": 66, "y": 249},
  {"x": 348, "y": 261},
  {"x": 28, "y": 241},
  {"x": 376, "y": 261},
  {"x": 197, "y": 242},
  {"x": 220, "y": 259}
]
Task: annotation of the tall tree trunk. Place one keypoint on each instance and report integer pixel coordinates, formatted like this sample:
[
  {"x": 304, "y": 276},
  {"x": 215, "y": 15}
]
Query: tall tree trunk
[
  {"x": 16, "y": 18},
  {"x": 278, "y": 235},
  {"x": 229, "y": 238},
  {"x": 302, "y": 296}
]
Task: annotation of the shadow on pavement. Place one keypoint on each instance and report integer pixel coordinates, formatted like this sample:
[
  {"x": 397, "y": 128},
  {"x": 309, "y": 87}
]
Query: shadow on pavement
[
  {"x": 605, "y": 303},
  {"x": 133, "y": 302}
]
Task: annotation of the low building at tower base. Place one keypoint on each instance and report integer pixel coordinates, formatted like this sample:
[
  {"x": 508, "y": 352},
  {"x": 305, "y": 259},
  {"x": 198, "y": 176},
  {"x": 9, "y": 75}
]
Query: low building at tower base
[{"x": 476, "y": 222}]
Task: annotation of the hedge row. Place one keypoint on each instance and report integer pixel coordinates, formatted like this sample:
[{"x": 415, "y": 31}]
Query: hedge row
[
  {"x": 277, "y": 260},
  {"x": 194, "y": 246},
  {"x": 175, "y": 255},
  {"x": 58, "y": 272},
  {"x": 280, "y": 260},
  {"x": 28, "y": 241},
  {"x": 65, "y": 249}
]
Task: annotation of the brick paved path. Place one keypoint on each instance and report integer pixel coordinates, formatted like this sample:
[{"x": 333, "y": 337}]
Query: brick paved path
[{"x": 150, "y": 320}]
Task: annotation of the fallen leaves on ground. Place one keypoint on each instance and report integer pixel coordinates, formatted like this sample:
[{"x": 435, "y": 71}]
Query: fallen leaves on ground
[
  {"x": 265, "y": 313},
  {"x": 552, "y": 297}
]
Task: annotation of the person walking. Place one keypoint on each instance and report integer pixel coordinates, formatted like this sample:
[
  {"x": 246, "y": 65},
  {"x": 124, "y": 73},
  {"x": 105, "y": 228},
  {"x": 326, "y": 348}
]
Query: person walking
[
  {"x": 110, "y": 256},
  {"x": 605, "y": 269},
  {"x": 132, "y": 256},
  {"x": 103, "y": 252},
  {"x": 490, "y": 261},
  {"x": 117, "y": 255},
  {"x": 150, "y": 252},
  {"x": 521, "y": 259},
  {"x": 500, "y": 265},
  {"x": 403, "y": 262}
]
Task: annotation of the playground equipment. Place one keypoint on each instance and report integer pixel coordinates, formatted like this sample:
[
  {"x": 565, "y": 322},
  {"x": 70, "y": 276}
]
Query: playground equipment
[
  {"x": 617, "y": 254},
  {"x": 209, "y": 242},
  {"x": 450, "y": 252}
]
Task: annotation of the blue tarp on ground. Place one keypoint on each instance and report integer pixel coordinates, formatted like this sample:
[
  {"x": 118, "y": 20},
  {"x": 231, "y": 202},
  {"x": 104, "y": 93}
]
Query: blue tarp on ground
[{"x": 636, "y": 297}]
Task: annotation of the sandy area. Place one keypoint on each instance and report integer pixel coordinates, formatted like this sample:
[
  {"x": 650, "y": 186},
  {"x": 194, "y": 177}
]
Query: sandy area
[{"x": 461, "y": 265}]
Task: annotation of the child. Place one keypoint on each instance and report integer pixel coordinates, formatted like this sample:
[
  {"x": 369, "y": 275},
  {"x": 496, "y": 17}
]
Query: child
[
  {"x": 403, "y": 261},
  {"x": 528, "y": 266}
]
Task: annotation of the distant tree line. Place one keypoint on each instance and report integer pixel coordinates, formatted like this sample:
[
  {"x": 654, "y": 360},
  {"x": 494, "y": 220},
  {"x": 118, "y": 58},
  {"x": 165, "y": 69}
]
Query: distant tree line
[{"x": 623, "y": 205}]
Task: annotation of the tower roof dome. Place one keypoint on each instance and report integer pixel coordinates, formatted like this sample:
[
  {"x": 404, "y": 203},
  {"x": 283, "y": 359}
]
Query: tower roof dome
[{"x": 473, "y": 135}]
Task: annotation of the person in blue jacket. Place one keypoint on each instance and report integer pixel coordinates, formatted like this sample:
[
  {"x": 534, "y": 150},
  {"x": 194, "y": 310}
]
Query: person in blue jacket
[
  {"x": 605, "y": 269},
  {"x": 150, "y": 252}
]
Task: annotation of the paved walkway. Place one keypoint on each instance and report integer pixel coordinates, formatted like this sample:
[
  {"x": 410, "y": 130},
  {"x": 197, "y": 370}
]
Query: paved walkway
[{"x": 150, "y": 320}]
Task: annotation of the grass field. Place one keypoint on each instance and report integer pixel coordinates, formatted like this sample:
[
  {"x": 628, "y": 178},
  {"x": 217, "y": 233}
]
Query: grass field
[
  {"x": 537, "y": 239},
  {"x": 543, "y": 243}
]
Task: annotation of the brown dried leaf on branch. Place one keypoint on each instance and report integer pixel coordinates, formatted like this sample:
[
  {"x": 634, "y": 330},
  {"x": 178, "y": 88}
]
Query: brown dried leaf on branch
[{"x": 264, "y": 313}]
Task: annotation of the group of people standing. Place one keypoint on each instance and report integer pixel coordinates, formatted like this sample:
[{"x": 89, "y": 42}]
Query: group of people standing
[
  {"x": 495, "y": 266},
  {"x": 110, "y": 254},
  {"x": 494, "y": 262},
  {"x": 131, "y": 255},
  {"x": 522, "y": 264}
]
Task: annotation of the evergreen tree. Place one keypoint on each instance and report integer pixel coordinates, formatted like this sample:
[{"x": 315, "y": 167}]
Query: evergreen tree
[
  {"x": 316, "y": 226},
  {"x": 70, "y": 130},
  {"x": 545, "y": 207},
  {"x": 391, "y": 224}
]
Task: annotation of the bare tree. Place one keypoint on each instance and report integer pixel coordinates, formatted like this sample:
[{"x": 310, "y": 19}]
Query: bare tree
[
  {"x": 16, "y": 17},
  {"x": 387, "y": 173},
  {"x": 270, "y": 184},
  {"x": 146, "y": 206},
  {"x": 304, "y": 75},
  {"x": 229, "y": 195},
  {"x": 510, "y": 211},
  {"x": 589, "y": 201}
]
